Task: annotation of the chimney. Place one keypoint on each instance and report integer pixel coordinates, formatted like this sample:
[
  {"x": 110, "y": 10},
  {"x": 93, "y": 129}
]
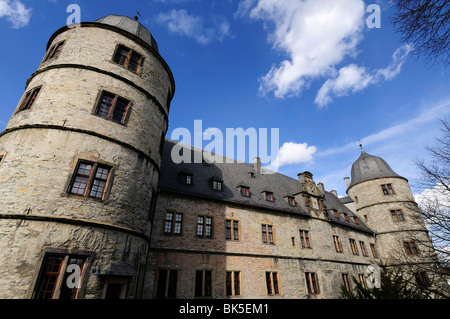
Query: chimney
[
  {"x": 321, "y": 188},
  {"x": 347, "y": 181},
  {"x": 303, "y": 176},
  {"x": 334, "y": 193},
  {"x": 257, "y": 165}
]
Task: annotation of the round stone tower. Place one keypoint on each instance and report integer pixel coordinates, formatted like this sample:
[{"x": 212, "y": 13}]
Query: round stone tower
[
  {"x": 383, "y": 199},
  {"x": 80, "y": 163}
]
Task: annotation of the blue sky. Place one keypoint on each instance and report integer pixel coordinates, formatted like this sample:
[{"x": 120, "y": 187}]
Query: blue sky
[{"x": 311, "y": 68}]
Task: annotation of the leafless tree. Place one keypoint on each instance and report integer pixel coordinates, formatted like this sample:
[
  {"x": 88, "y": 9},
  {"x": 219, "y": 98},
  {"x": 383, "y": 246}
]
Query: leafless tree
[{"x": 426, "y": 24}]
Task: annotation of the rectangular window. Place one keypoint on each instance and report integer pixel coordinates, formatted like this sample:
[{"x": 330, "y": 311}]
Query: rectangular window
[
  {"x": 173, "y": 223},
  {"x": 267, "y": 234},
  {"x": 204, "y": 226},
  {"x": 312, "y": 282},
  {"x": 373, "y": 248},
  {"x": 233, "y": 283},
  {"x": 232, "y": 229},
  {"x": 90, "y": 179},
  {"x": 245, "y": 191},
  {"x": 346, "y": 217},
  {"x": 304, "y": 239},
  {"x": 203, "y": 283},
  {"x": 387, "y": 189},
  {"x": 217, "y": 185},
  {"x": 53, "y": 278},
  {"x": 363, "y": 248},
  {"x": 362, "y": 280},
  {"x": 29, "y": 99},
  {"x": 54, "y": 51},
  {"x": 346, "y": 281},
  {"x": 113, "y": 107},
  {"x": 291, "y": 201},
  {"x": 337, "y": 244},
  {"x": 354, "y": 247},
  {"x": 272, "y": 283},
  {"x": 269, "y": 196},
  {"x": 336, "y": 213},
  {"x": 127, "y": 58},
  {"x": 356, "y": 220},
  {"x": 397, "y": 215},
  {"x": 167, "y": 283},
  {"x": 410, "y": 248}
]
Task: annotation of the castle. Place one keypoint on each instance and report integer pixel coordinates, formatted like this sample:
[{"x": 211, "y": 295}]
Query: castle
[{"x": 88, "y": 187}]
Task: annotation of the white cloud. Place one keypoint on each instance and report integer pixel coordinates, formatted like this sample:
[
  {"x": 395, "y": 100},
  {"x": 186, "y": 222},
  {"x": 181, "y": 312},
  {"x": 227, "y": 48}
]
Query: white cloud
[
  {"x": 352, "y": 78},
  {"x": 315, "y": 34},
  {"x": 292, "y": 153},
  {"x": 183, "y": 23},
  {"x": 15, "y": 12}
]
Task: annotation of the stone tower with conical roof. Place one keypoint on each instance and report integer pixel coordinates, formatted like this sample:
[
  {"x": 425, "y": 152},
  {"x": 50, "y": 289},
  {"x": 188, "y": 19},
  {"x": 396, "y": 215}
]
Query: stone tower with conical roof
[
  {"x": 383, "y": 199},
  {"x": 80, "y": 164}
]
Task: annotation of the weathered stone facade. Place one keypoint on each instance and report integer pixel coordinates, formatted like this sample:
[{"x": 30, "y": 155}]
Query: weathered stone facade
[{"x": 87, "y": 180}]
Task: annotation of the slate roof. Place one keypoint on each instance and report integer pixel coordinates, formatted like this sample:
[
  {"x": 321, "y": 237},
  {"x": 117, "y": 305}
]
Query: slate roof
[
  {"x": 368, "y": 167},
  {"x": 238, "y": 174},
  {"x": 131, "y": 26}
]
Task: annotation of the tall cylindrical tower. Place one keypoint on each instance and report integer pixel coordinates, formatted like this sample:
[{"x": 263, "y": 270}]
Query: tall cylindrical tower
[
  {"x": 384, "y": 200},
  {"x": 80, "y": 163}
]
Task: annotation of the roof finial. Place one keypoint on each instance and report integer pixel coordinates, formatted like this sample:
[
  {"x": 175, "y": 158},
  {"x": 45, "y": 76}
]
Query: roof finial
[{"x": 360, "y": 145}]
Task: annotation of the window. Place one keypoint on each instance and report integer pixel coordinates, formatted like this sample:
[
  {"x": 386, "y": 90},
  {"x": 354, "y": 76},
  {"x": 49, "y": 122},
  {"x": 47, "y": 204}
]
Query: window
[
  {"x": 232, "y": 229},
  {"x": 387, "y": 189},
  {"x": 54, "y": 51},
  {"x": 233, "y": 283},
  {"x": 267, "y": 234},
  {"x": 312, "y": 283},
  {"x": 410, "y": 248},
  {"x": 397, "y": 215},
  {"x": 269, "y": 196},
  {"x": 291, "y": 201},
  {"x": 128, "y": 58},
  {"x": 54, "y": 275},
  {"x": 204, "y": 226},
  {"x": 217, "y": 185},
  {"x": 422, "y": 279},
  {"x": 272, "y": 283},
  {"x": 354, "y": 247},
  {"x": 186, "y": 179},
  {"x": 173, "y": 223},
  {"x": 337, "y": 244},
  {"x": 373, "y": 248},
  {"x": 203, "y": 283},
  {"x": 90, "y": 180},
  {"x": 304, "y": 239},
  {"x": 362, "y": 280},
  {"x": 356, "y": 220},
  {"x": 363, "y": 248},
  {"x": 167, "y": 283},
  {"x": 346, "y": 280},
  {"x": 336, "y": 213},
  {"x": 245, "y": 191},
  {"x": 113, "y": 107},
  {"x": 29, "y": 99},
  {"x": 346, "y": 217}
]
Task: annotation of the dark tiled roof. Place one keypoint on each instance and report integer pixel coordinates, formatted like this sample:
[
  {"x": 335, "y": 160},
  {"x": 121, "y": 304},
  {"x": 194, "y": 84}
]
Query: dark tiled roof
[{"x": 238, "y": 174}]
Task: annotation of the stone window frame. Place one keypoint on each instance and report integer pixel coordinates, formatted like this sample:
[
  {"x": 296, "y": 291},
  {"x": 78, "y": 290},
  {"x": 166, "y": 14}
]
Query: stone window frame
[
  {"x": 411, "y": 248},
  {"x": 373, "y": 248},
  {"x": 387, "y": 189},
  {"x": 354, "y": 246},
  {"x": 233, "y": 230},
  {"x": 362, "y": 245},
  {"x": 346, "y": 282},
  {"x": 272, "y": 279},
  {"x": 233, "y": 283},
  {"x": 206, "y": 292},
  {"x": 168, "y": 290},
  {"x": 397, "y": 215},
  {"x": 54, "y": 52},
  {"x": 268, "y": 234},
  {"x": 126, "y": 64},
  {"x": 95, "y": 165},
  {"x": 305, "y": 238},
  {"x": 337, "y": 244},
  {"x": 117, "y": 96},
  {"x": 88, "y": 256},
  {"x": 29, "y": 98},
  {"x": 312, "y": 283},
  {"x": 174, "y": 222},
  {"x": 204, "y": 226}
]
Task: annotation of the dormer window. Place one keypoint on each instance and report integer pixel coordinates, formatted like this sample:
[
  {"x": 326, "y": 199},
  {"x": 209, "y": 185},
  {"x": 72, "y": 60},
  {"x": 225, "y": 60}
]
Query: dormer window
[
  {"x": 346, "y": 217},
  {"x": 355, "y": 219},
  {"x": 387, "y": 189},
  {"x": 217, "y": 185},
  {"x": 336, "y": 213},
  {"x": 245, "y": 191},
  {"x": 186, "y": 178},
  {"x": 269, "y": 196},
  {"x": 291, "y": 201}
]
